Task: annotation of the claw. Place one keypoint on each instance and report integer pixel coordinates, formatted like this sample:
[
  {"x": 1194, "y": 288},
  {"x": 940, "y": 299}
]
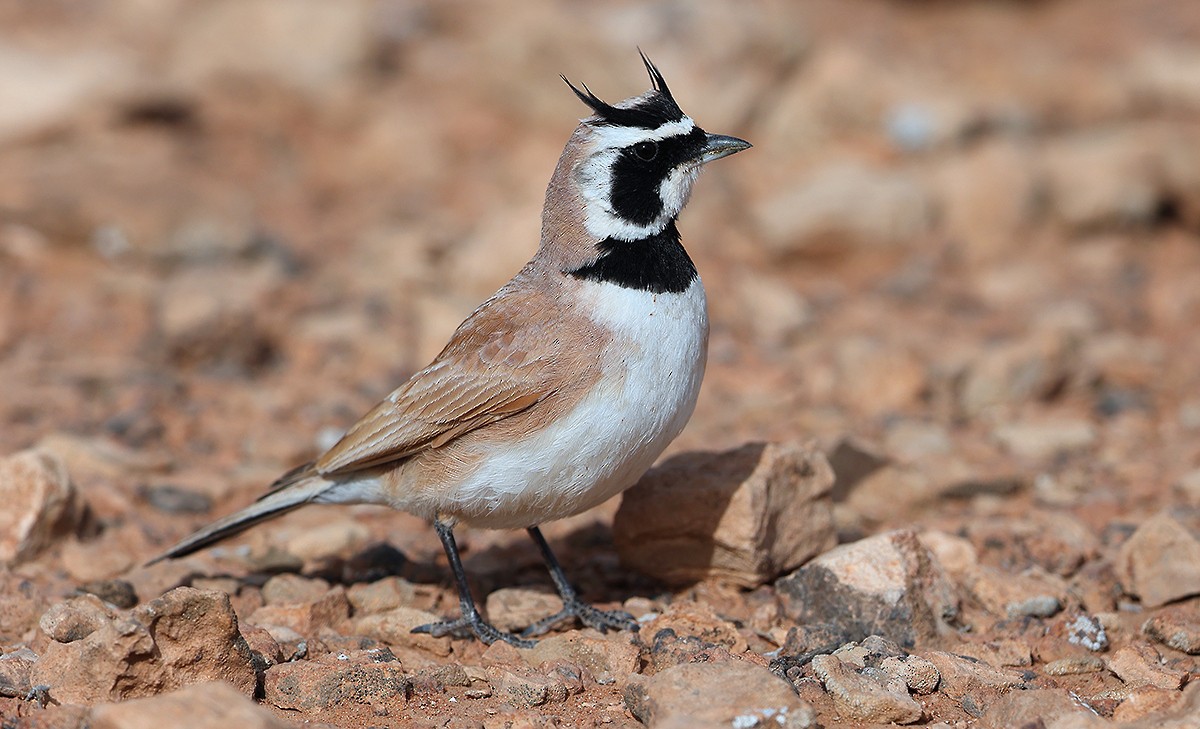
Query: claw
[
  {"x": 601, "y": 620},
  {"x": 467, "y": 626}
]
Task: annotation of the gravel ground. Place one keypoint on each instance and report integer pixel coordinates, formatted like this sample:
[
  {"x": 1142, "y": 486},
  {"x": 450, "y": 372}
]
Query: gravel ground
[{"x": 944, "y": 471}]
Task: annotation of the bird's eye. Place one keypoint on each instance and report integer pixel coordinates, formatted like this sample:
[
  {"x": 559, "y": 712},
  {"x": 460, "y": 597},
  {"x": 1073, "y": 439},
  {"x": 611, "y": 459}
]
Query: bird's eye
[{"x": 646, "y": 151}]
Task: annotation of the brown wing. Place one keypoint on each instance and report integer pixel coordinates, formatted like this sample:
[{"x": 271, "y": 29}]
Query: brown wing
[{"x": 501, "y": 361}]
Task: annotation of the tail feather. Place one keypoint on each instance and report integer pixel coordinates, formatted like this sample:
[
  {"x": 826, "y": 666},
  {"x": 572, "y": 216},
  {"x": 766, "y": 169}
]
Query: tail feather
[{"x": 276, "y": 503}]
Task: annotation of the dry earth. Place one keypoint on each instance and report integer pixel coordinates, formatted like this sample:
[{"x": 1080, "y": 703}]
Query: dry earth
[{"x": 962, "y": 262}]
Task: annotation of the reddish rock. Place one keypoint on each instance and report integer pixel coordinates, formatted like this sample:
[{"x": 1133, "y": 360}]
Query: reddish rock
[
  {"x": 961, "y": 676},
  {"x": 381, "y": 595},
  {"x": 394, "y": 627},
  {"x": 516, "y": 608},
  {"x": 743, "y": 516},
  {"x": 1140, "y": 665},
  {"x": 1178, "y": 629},
  {"x": 15, "y": 670},
  {"x": 306, "y": 618},
  {"x": 889, "y": 584},
  {"x": 868, "y": 695},
  {"x": 610, "y": 658},
  {"x": 731, "y": 693},
  {"x": 1144, "y": 572},
  {"x": 186, "y": 636},
  {"x": 213, "y": 705},
  {"x": 371, "y": 677},
  {"x": 40, "y": 504},
  {"x": 293, "y": 589},
  {"x": 1032, "y": 708}
]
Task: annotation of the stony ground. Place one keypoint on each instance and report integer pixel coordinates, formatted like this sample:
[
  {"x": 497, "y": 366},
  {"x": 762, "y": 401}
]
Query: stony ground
[{"x": 961, "y": 266}]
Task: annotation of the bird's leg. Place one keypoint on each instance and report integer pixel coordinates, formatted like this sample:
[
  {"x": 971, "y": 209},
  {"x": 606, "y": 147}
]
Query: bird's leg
[
  {"x": 471, "y": 621},
  {"x": 592, "y": 617}
]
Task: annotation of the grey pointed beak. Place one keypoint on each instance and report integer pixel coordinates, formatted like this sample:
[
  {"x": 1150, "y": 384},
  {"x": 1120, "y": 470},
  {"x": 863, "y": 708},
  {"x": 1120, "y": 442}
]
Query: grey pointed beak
[{"x": 719, "y": 145}]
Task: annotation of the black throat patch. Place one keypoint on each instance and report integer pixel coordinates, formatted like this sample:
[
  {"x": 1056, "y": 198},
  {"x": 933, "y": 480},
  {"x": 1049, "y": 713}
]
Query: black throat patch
[{"x": 656, "y": 263}]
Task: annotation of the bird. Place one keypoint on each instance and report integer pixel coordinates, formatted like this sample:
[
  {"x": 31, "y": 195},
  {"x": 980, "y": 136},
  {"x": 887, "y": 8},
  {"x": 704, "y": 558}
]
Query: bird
[{"x": 561, "y": 389}]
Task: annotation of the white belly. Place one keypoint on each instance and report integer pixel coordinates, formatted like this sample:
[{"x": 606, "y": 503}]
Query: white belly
[{"x": 645, "y": 395}]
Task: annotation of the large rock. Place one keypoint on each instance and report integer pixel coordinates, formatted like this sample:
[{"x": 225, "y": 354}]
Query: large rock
[
  {"x": 742, "y": 516},
  {"x": 372, "y": 677},
  {"x": 40, "y": 504},
  {"x": 186, "y": 636},
  {"x": 214, "y": 705},
  {"x": 730, "y": 693},
  {"x": 1143, "y": 571},
  {"x": 889, "y": 585},
  {"x": 869, "y": 695}
]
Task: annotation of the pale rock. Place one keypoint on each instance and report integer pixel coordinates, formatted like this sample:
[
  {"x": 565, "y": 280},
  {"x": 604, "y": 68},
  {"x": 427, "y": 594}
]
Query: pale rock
[
  {"x": 335, "y": 680},
  {"x": 76, "y": 619},
  {"x": 212, "y": 705},
  {"x": 516, "y": 608},
  {"x": 40, "y": 504},
  {"x": 717, "y": 695},
  {"x": 288, "y": 588},
  {"x": 21, "y": 606},
  {"x": 741, "y": 516},
  {"x": 776, "y": 311},
  {"x": 1043, "y": 440},
  {"x": 1032, "y": 593},
  {"x": 698, "y": 620},
  {"x": 888, "y": 584},
  {"x": 1012, "y": 372},
  {"x": 956, "y": 555},
  {"x": 381, "y": 595},
  {"x": 870, "y": 695},
  {"x": 1143, "y": 571},
  {"x": 1138, "y": 664},
  {"x": 918, "y": 674},
  {"x": 1087, "y": 631},
  {"x": 909, "y": 441},
  {"x": 960, "y": 676},
  {"x": 1144, "y": 702},
  {"x": 339, "y": 538},
  {"x": 186, "y": 636},
  {"x": 610, "y": 658},
  {"x": 845, "y": 205},
  {"x": 101, "y": 457},
  {"x": 1000, "y": 652},
  {"x": 394, "y": 627},
  {"x": 1073, "y": 666},
  {"x": 306, "y": 618},
  {"x": 291, "y": 644},
  {"x": 1031, "y": 708},
  {"x": 47, "y": 90},
  {"x": 1178, "y": 629},
  {"x": 101, "y": 558},
  {"x": 1106, "y": 178},
  {"x": 525, "y": 688}
]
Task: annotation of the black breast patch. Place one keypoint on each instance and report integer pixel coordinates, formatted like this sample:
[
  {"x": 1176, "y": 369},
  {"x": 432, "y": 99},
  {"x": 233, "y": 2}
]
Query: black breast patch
[{"x": 656, "y": 263}]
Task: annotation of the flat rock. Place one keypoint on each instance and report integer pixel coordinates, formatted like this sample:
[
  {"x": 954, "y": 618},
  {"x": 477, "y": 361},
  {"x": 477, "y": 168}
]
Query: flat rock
[
  {"x": 525, "y": 687},
  {"x": 888, "y": 585},
  {"x": 306, "y": 618},
  {"x": 394, "y": 627},
  {"x": 1028, "y": 708},
  {"x": 1146, "y": 575},
  {"x": 373, "y": 677},
  {"x": 1176, "y": 629},
  {"x": 743, "y": 516},
  {"x": 516, "y": 608},
  {"x": 289, "y": 588},
  {"x": 869, "y": 695},
  {"x": 40, "y": 504},
  {"x": 381, "y": 595},
  {"x": 212, "y": 705},
  {"x": 704, "y": 695},
  {"x": 15, "y": 670},
  {"x": 609, "y": 658},
  {"x": 1032, "y": 593},
  {"x": 186, "y": 636},
  {"x": 961, "y": 676},
  {"x": 1139, "y": 664}
]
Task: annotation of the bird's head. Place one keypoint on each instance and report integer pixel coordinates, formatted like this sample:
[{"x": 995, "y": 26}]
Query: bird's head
[{"x": 638, "y": 160}]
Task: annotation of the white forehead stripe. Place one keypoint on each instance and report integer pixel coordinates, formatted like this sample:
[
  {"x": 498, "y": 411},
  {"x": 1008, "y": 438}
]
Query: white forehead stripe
[{"x": 613, "y": 136}]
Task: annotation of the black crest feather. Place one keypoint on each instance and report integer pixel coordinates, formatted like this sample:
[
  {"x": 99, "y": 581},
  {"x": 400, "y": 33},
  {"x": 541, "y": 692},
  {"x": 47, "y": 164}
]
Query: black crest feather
[{"x": 650, "y": 113}]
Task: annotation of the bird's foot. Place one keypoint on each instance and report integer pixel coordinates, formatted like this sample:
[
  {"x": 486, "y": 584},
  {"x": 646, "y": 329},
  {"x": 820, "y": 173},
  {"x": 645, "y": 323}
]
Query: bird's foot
[
  {"x": 472, "y": 624},
  {"x": 590, "y": 616}
]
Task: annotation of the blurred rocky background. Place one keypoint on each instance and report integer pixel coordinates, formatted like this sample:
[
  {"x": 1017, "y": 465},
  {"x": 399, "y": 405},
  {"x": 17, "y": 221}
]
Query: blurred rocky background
[{"x": 961, "y": 266}]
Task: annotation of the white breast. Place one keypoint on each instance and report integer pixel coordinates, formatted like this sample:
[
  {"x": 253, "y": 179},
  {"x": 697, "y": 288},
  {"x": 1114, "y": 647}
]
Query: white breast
[{"x": 651, "y": 376}]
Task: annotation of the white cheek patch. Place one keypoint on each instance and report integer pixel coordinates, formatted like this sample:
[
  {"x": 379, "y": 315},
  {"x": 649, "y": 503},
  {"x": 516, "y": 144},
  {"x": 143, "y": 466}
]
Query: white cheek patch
[
  {"x": 677, "y": 188},
  {"x": 594, "y": 176}
]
